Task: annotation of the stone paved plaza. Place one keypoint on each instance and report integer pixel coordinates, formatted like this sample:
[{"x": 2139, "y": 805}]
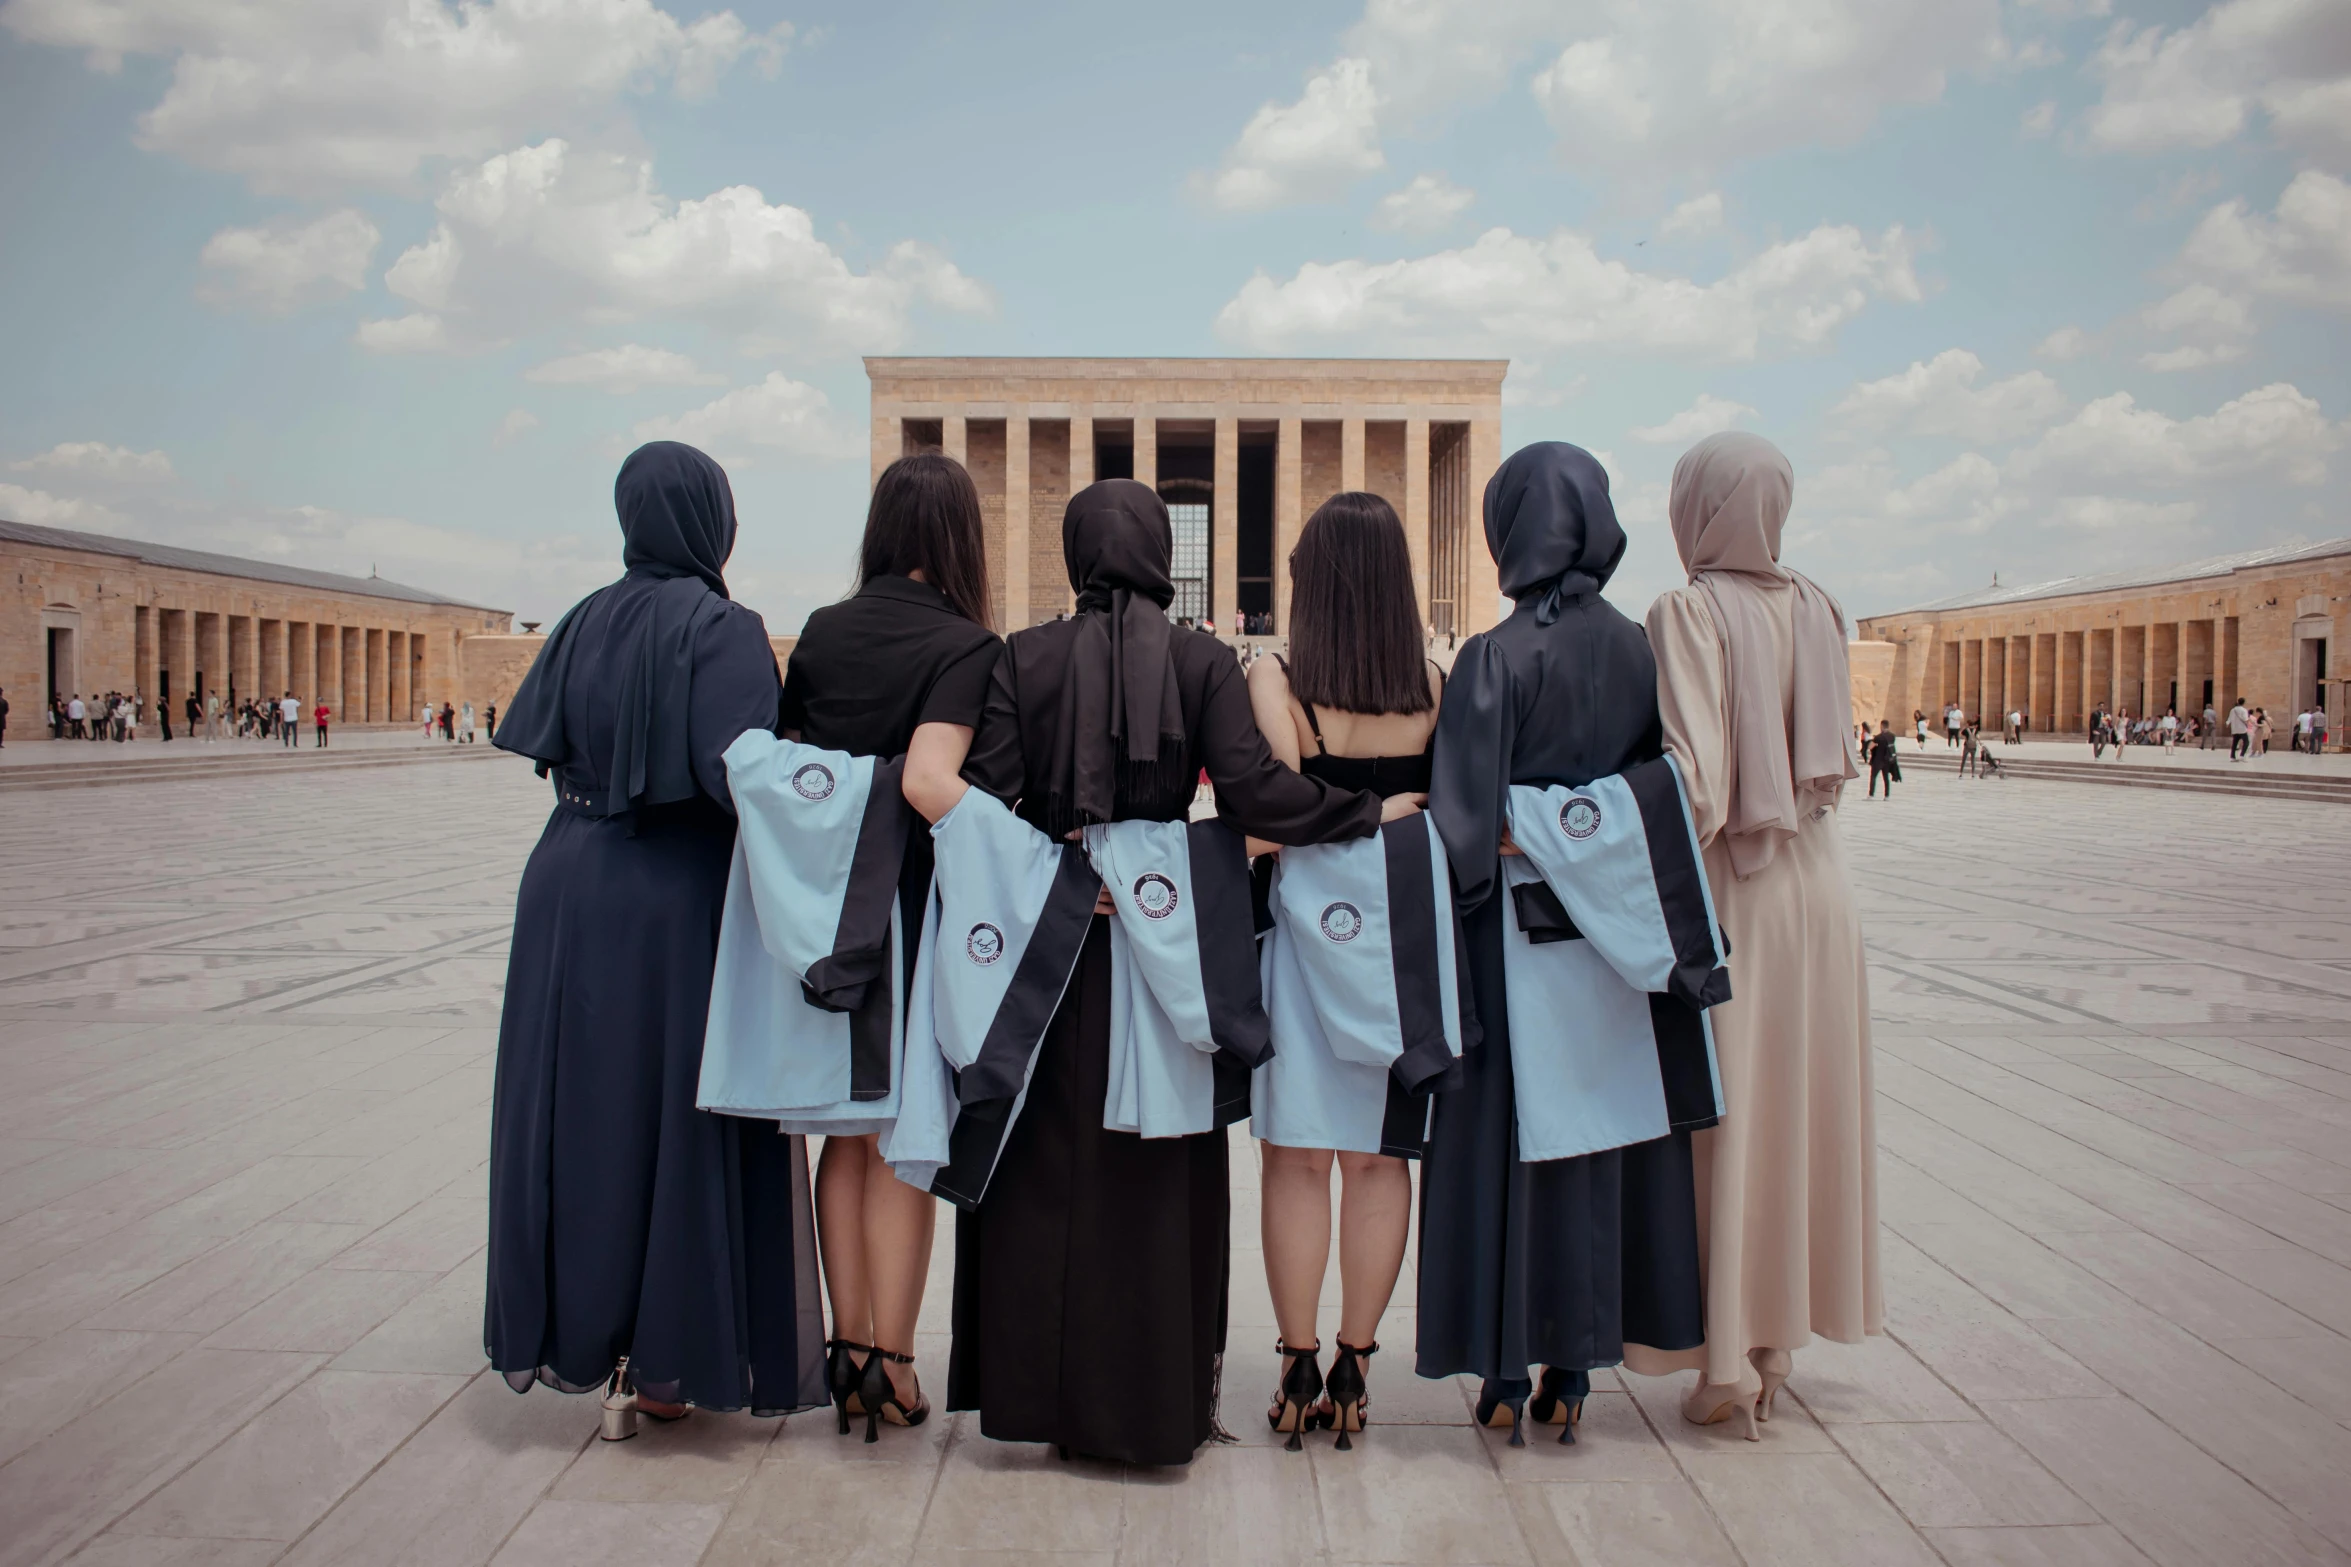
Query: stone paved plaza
[{"x": 246, "y": 1028}]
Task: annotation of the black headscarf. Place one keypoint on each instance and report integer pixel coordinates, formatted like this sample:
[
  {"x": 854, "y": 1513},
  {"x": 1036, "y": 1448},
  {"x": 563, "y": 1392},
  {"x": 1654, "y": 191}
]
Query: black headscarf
[
  {"x": 1121, "y": 719},
  {"x": 1551, "y": 526},
  {"x": 677, "y": 518}
]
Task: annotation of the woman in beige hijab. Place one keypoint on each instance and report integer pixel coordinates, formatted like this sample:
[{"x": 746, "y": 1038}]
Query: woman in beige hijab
[{"x": 1754, "y": 692}]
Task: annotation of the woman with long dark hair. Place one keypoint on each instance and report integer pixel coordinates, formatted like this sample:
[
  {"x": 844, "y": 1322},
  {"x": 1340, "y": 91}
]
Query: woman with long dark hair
[
  {"x": 637, "y": 1243},
  {"x": 1553, "y": 1263},
  {"x": 1354, "y": 705},
  {"x": 1090, "y": 1283},
  {"x": 900, "y": 668}
]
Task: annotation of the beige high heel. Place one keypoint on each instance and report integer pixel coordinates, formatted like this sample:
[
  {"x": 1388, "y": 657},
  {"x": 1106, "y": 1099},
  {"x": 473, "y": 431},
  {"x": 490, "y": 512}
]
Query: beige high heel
[
  {"x": 620, "y": 1405},
  {"x": 1711, "y": 1403},
  {"x": 1773, "y": 1365}
]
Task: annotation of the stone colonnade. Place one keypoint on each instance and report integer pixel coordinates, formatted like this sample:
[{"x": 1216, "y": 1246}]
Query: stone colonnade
[
  {"x": 366, "y": 674},
  {"x": 1242, "y": 450}
]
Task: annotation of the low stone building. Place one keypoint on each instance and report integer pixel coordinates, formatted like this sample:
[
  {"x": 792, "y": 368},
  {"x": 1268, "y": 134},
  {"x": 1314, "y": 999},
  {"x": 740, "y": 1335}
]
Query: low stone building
[
  {"x": 1242, "y": 451},
  {"x": 87, "y": 613},
  {"x": 2259, "y": 625}
]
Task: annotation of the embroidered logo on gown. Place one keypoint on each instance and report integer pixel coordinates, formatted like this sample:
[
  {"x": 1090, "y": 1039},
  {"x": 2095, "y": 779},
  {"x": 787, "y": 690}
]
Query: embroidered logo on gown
[
  {"x": 985, "y": 944},
  {"x": 1155, "y": 895},
  {"x": 1342, "y": 921},
  {"x": 813, "y": 782},
  {"x": 1579, "y": 818}
]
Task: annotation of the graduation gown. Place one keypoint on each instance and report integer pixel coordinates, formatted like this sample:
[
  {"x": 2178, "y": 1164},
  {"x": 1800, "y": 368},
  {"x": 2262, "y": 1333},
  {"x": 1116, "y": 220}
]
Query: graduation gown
[
  {"x": 1558, "y": 1262},
  {"x": 623, "y": 1220},
  {"x": 1090, "y": 1282}
]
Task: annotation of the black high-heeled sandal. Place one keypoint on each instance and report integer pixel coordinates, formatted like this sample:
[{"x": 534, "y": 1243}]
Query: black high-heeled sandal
[
  {"x": 1349, "y": 1405},
  {"x": 1294, "y": 1401},
  {"x": 1561, "y": 1395},
  {"x": 843, "y": 1374},
  {"x": 880, "y": 1397},
  {"x": 1492, "y": 1400}
]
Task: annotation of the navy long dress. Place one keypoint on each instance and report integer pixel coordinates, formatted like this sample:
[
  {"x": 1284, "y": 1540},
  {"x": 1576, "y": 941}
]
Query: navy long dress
[
  {"x": 624, "y": 1221},
  {"x": 1560, "y": 1262}
]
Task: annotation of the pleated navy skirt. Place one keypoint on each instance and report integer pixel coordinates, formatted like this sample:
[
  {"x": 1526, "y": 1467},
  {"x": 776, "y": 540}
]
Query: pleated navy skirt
[{"x": 624, "y": 1221}]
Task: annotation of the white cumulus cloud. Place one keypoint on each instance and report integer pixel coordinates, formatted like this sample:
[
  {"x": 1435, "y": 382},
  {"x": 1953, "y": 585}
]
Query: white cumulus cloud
[
  {"x": 44, "y": 510},
  {"x": 97, "y": 460},
  {"x": 325, "y": 93},
  {"x": 2201, "y": 85},
  {"x": 518, "y": 423},
  {"x": 2067, "y": 342},
  {"x": 1941, "y": 396},
  {"x": 2274, "y": 431},
  {"x": 1513, "y": 293},
  {"x": 2301, "y": 254},
  {"x": 1707, "y": 416},
  {"x": 279, "y": 267},
  {"x": 418, "y": 332},
  {"x": 630, "y": 367},
  {"x": 1698, "y": 215},
  {"x": 1307, "y": 150},
  {"x": 777, "y": 415},
  {"x": 1424, "y": 206},
  {"x": 549, "y": 232}
]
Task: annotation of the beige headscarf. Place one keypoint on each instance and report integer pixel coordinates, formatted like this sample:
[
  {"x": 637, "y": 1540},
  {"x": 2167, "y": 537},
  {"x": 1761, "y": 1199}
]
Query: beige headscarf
[{"x": 1790, "y": 751}]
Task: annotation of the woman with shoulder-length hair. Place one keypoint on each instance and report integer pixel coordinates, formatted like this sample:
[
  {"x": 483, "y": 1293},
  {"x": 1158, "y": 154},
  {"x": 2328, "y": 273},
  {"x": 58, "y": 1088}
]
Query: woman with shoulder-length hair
[
  {"x": 1552, "y": 1263},
  {"x": 900, "y": 668},
  {"x": 1754, "y": 687},
  {"x": 1354, "y": 705},
  {"x": 1090, "y": 1283},
  {"x": 637, "y": 1243}
]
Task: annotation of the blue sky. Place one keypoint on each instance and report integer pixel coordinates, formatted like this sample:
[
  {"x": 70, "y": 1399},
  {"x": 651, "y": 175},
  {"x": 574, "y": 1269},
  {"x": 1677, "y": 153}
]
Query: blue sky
[{"x": 391, "y": 284}]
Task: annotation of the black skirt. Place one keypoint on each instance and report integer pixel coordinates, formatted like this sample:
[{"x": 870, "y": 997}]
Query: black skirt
[
  {"x": 623, "y": 1220},
  {"x": 1090, "y": 1286},
  {"x": 1558, "y": 1263}
]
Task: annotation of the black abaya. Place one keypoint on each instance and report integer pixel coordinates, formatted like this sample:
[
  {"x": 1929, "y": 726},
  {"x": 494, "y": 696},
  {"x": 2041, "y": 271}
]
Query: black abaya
[{"x": 1559, "y": 1262}]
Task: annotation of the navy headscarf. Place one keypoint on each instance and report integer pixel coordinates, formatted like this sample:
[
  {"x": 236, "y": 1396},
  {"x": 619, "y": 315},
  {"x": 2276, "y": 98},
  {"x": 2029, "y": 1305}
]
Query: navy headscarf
[
  {"x": 677, "y": 521},
  {"x": 1551, "y": 526}
]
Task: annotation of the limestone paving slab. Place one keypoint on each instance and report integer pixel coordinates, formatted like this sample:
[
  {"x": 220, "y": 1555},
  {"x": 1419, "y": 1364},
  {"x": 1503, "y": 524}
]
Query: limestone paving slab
[{"x": 242, "y": 1198}]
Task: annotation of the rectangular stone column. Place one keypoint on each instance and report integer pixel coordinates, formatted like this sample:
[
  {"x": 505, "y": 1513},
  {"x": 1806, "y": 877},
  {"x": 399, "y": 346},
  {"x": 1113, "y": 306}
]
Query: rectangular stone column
[
  {"x": 1485, "y": 590},
  {"x": 244, "y": 655},
  {"x": 397, "y": 708},
  {"x": 1416, "y": 509},
  {"x": 353, "y": 641},
  {"x": 2232, "y": 670},
  {"x": 379, "y": 669},
  {"x": 1971, "y": 676},
  {"x": 955, "y": 438},
  {"x": 1224, "y": 542},
  {"x": 1147, "y": 447},
  {"x": 146, "y": 652},
  {"x": 1081, "y": 474},
  {"x": 180, "y": 626},
  {"x": 302, "y": 661},
  {"x": 1016, "y": 520},
  {"x": 2070, "y": 679},
  {"x": 216, "y": 657},
  {"x": 888, "y": 439},
  {"x": 1289, "y": 477},
  {"x": 1351, "y": 452}
]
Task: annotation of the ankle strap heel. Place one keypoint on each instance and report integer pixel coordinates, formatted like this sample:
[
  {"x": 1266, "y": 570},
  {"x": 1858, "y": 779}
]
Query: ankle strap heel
[
  {"x": 880, "y": 1397},
  {"x": 1301, "y": 1388},
  {"x": 1349, "y": 1405}
]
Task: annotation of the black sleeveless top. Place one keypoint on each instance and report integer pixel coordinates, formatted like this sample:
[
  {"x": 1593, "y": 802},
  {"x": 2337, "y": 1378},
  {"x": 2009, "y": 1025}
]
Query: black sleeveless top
[{"x": 1382, "y": 775}]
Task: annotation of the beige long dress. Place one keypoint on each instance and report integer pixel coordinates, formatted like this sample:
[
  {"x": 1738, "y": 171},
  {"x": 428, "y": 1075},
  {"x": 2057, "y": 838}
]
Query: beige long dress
[{"x": 1787, "y": 1184}]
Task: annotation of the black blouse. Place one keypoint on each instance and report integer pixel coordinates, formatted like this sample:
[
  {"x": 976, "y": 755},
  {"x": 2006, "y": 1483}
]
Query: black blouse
[
  {"x": 868, "y": 670},
  {"x": 1254, "y": 792}
]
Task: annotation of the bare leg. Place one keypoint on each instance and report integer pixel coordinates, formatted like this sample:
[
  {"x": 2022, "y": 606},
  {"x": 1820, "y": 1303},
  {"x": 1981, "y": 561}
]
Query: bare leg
[
  {"x": 897, "y": 1222},
  {"x": 1296, "y": 1219},
  {"x": 1375, "y": 1216},
  {"x": 842, "y": 1172}
]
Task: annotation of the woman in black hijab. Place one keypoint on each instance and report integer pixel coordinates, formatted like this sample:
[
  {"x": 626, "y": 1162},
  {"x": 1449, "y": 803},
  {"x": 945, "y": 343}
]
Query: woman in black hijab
[
  {"x": 1558, "y": 1263},
  {"x": 1090, "y": 1285},
  {"x": 636, "y": 1243}
]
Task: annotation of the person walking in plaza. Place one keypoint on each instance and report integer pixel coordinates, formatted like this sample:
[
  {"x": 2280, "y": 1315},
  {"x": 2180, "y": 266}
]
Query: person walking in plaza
[
  {"x": 1885, "y": 760},
  {"x": 639, "y": 1244},
  {"x": 2261, "y": 731},
  {"x": 212, "y": 723},
  {"x": 289, "y": 720},
  {"x": 2240, "y": 730},
  {"x": 2098, "y": 729},
  {"x": 319, "y": 715},
  {"x": 465, "y": 724},
  {"x": 490, "y": 723},
  {"x": 1551, "y": 1266},
  {"x": 3, "y": 716},
  {"x": 2207, "y": 727},
  {"x": 2168, "y": 729},
  {"x": 448, "y": 722},
  {"x": 899, "y": 668},
  {"x": 1354, "y": 705},
  {"x": 192, "y": 709},
  {"x": 1091, "y": 1281},
  {"x": 74, "y": 716},
  {"x": 1922, "y": 727},
  {"x": 2299, "y": 740},
  {"x": 1954, "y": 720},
  {"x": 1753, "y": 688}
]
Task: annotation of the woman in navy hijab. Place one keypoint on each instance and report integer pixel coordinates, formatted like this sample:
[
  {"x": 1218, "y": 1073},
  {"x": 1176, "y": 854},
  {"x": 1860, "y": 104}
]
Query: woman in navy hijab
[{"x": 637, "y": 1244}]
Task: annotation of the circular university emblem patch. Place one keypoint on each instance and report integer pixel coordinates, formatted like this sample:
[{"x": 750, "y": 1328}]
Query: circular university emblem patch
[
  {"x": 984, "y": 945},
  {"x": 813, "y": 781},
  {"x": 1580, "y": 817},
  {"x": 1342, "y": 922},
  {"x": 1155, "y": 895}
]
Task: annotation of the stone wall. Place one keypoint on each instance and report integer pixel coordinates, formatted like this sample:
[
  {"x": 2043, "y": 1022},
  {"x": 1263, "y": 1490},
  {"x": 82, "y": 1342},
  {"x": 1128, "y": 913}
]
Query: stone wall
[
  {"x": 1871, "y": 666},
  {"x": 494, "y": 667}
]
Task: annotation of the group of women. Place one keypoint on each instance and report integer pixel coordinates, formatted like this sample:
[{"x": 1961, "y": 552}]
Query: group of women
[{"x": 670, "y": 1256}]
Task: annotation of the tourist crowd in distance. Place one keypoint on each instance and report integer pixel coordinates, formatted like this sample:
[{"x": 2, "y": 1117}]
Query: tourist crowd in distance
[
  {"x": 2247, "y": 729},
  {"x": 117, "y": 715},
  {"x": 1026, "y": 924}
]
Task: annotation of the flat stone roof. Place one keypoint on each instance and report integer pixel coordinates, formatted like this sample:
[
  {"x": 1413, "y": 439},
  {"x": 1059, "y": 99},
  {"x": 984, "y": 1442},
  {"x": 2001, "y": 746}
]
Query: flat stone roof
[
  {"x": 2141, "y": 577},
  {"x": 172, "y": 556},
  {"x": 1109, "y": 369}
]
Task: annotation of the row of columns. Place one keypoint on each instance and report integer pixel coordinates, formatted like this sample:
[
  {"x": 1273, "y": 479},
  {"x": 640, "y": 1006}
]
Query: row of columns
[
  {"x": 1474, "y": 595},
  {"x": 2055, "y": 677},
  {"x": 364, "y": 674}
]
